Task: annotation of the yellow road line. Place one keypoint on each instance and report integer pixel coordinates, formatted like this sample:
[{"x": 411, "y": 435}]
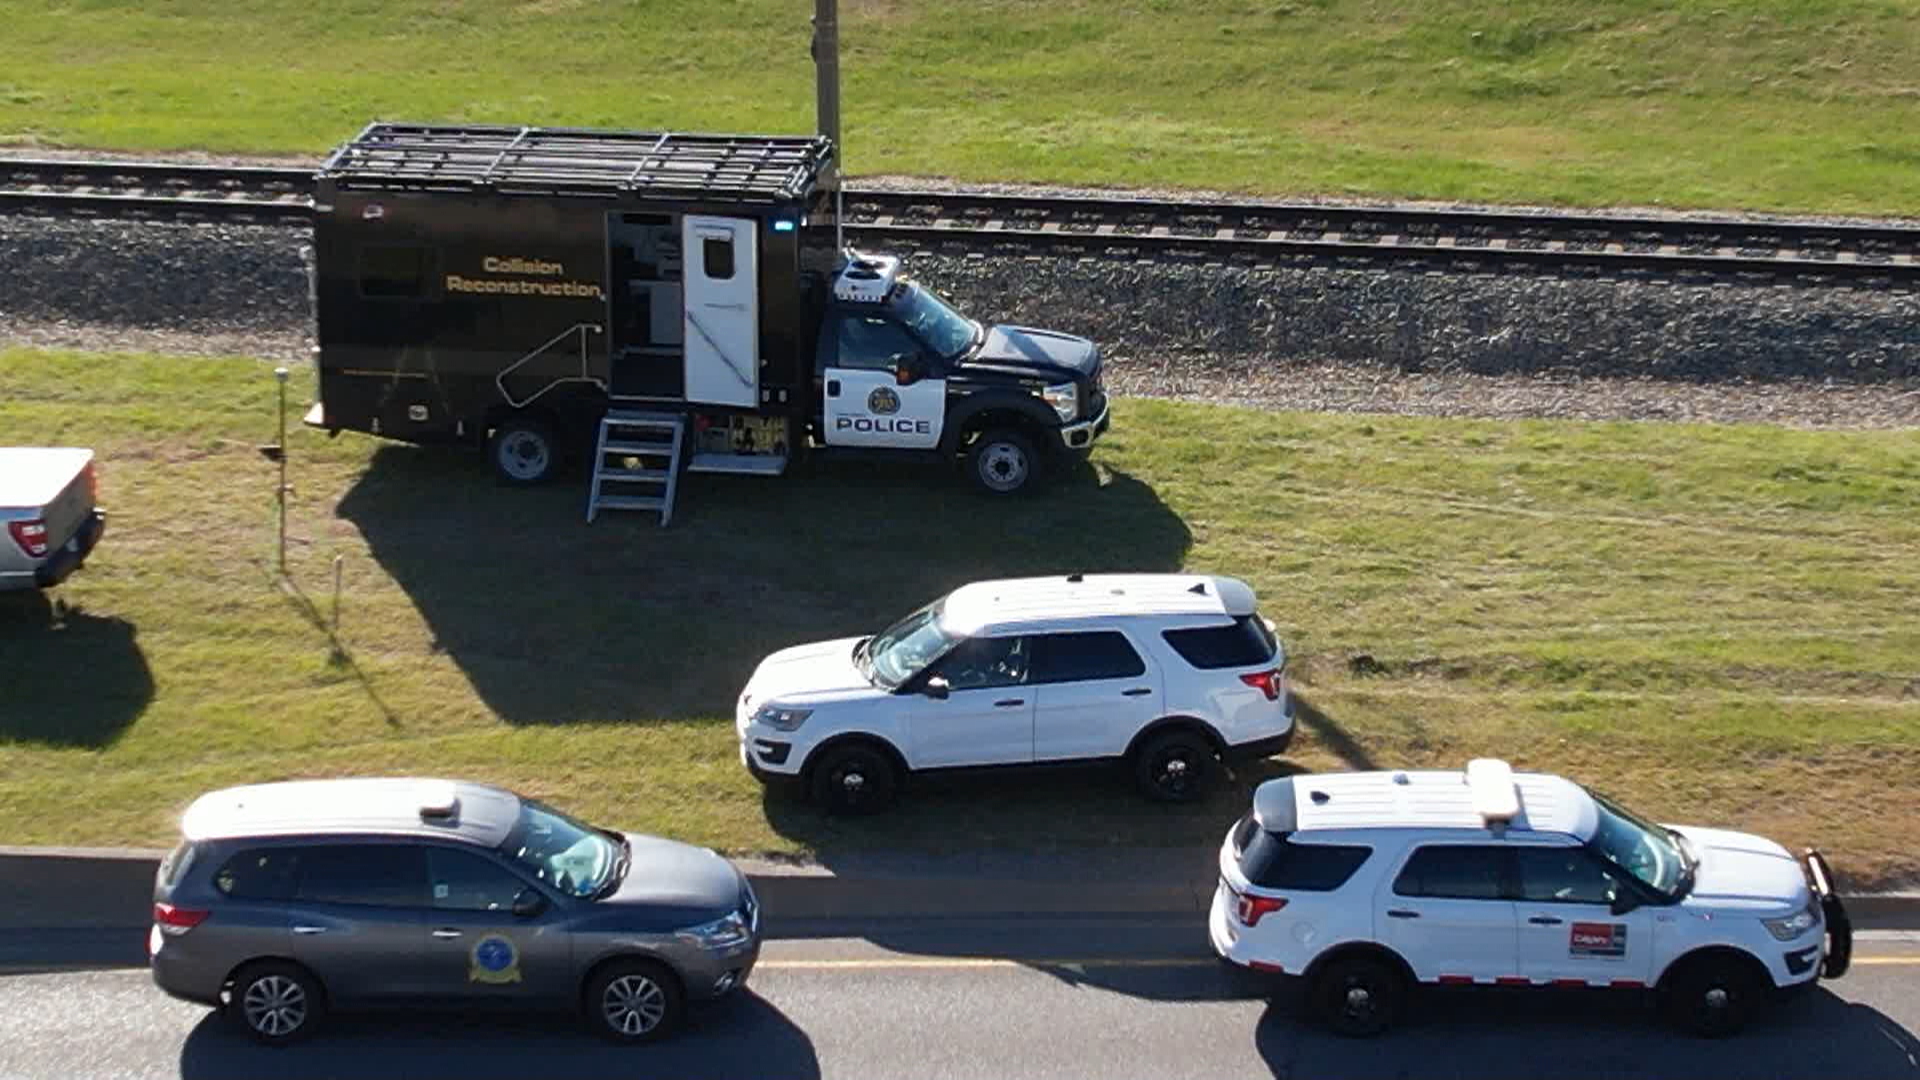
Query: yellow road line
[
  {"x": 974, "y": 962},
  {"x": 967, "y": 963}
]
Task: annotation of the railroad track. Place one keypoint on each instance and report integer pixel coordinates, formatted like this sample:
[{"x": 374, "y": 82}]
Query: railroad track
[{"x": 1251, "y": 234}]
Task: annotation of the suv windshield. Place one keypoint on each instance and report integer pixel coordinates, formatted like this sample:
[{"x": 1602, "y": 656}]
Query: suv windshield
[
  {"x": 929, "y": 318},
  {"x": 574, "y": 858},
  {"x": 1646, "y": 851},
  {"x": 897, "y": 653}
]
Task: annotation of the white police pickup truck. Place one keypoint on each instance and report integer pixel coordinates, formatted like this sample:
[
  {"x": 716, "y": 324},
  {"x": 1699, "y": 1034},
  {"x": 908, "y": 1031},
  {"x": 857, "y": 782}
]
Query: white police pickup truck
[
  {"x": 1368, "y": 883},
  {"x": 48, "y": 521}
]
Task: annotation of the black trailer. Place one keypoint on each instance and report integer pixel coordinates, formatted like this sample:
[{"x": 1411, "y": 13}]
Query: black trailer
[{"x": 535, "y": 289}]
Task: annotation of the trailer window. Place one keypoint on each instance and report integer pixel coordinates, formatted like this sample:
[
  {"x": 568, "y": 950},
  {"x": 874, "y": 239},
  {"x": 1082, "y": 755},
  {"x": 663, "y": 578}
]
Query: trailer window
[
  {"x": 716, "y": 254},
  {"x": 394, "y": 273}
]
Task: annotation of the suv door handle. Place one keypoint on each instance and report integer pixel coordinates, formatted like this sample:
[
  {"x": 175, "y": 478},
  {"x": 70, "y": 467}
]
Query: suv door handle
[
  {"x": 1545, "y": 920},
  {"x": 1008, "y": 703},
  {"x": 309, "y": 929},
  {"x": 1402, "y": 913},
  {"x": 445, "y": 932},
  {"x": 1136, "y": 691},
  {"x": 833, "y": 387}
]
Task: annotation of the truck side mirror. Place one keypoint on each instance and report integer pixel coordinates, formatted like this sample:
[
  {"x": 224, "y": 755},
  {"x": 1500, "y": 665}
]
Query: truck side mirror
[
  {"x": 1623, "y": 902},
  {"x": 907, "y": 369},
  {"x": 937, "y": 687}
]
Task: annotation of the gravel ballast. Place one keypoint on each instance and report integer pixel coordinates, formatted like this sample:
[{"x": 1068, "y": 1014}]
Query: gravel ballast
[{"x": 1344, "y": 340}]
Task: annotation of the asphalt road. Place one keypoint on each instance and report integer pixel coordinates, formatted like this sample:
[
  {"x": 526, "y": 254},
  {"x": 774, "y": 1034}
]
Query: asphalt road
[{"x": 1027, "y": 998}]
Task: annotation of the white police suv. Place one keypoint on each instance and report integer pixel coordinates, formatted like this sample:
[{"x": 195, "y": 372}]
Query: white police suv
[
  {"x": 1368, "y": 883},
  {"x": 1169, "y": 672}
]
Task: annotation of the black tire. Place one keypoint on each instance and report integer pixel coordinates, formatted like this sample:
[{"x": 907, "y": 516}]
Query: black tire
[
  {"x": 855, "y": 779},
  {"x": 635, "y": 1001},
  {"x": 276, "y": 1003},
  {"x": 524, "y": 451},
  {"x": 1002, "y": 461},
  {"x": 1712, "y": 996},
  {"x": 1177, "y": 766},
  {"x": 1357, "y": 996}
]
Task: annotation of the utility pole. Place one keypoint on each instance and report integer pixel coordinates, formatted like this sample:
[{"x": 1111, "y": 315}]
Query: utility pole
[{"x": 826, "y": 64}]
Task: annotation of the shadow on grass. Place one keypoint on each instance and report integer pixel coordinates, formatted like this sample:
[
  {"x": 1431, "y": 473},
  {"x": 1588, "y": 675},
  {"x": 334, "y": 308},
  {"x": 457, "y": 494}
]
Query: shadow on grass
[
  {"x": 338, "y": 656},
  {"x": 69, "y": 678},
  {"x": 1326, "y": 729},
  {"x": 556, "y": 621}
]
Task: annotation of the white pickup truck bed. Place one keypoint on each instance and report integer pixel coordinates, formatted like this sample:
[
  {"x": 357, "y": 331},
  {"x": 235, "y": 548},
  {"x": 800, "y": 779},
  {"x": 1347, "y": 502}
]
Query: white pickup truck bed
[{"x": 48, "y": 521}]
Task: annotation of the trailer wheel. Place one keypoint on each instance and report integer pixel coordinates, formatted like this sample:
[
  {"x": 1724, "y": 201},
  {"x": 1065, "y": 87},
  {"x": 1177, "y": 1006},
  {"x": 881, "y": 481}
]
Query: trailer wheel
[
  {"x": 524, "y": 452},
  {"x": 1002, "y": 462}
]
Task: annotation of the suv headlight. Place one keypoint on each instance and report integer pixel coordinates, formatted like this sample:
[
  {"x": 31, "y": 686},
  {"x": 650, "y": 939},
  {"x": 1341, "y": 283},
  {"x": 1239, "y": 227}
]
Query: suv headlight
[
  {"x": 780, "y": 717},
  {"x": 1795, "y": 924},
  {"x": 1065, "y": 399},
  {"x": 722, "y": 933}
]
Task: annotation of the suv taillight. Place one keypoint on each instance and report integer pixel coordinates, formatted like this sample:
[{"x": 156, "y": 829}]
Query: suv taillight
[
  {"x": 30, "y": 535},
  {"x": 93, "y": 485},
  {"x": 178, "y": 920},
  {"x": 1248, "y": 908},
  {"x": 1267, "y": 682}
]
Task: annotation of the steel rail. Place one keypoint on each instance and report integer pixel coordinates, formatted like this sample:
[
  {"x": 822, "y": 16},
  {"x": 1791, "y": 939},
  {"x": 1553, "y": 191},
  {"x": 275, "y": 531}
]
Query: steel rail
[{"x": 1241, "y": 233}]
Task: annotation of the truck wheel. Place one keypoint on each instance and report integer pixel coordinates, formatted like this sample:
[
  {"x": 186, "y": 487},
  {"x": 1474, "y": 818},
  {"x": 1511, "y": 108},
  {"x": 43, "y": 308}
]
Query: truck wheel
[
  {"x": 854, "y": 779},
  {"x": 1175, "y": 767},
  {"x": 276, "y": 1003},
  {"x": 524, "y": 452},
  {"x": 1002, "y": 462},
  {"x": 1713, "y": 996},
  {"x": 1357, "y": 996}
]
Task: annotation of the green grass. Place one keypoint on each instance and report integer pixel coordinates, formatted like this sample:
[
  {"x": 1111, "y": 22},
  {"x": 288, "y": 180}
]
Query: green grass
[
  {"x": 1715, "y": 623},
  {"x": 1769, "y": 104}
]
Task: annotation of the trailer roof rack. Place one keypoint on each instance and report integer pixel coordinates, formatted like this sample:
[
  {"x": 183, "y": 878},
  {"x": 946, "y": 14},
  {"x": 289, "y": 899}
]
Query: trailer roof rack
[{"x": 579, "y": 161}]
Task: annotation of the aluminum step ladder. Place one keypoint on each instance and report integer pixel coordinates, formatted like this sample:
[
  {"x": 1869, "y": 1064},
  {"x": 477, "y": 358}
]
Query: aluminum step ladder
[{"x": 637, "y": 463}]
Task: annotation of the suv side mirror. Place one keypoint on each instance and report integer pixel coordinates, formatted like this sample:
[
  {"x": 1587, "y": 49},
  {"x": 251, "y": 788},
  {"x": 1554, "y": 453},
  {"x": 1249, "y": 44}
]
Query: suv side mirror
[
  {"x": 908, "y": 369},
  {"x": 528, "y": 903},
  {"x": 937, "y": 687},
  {"x": 1623, "y": 902}
]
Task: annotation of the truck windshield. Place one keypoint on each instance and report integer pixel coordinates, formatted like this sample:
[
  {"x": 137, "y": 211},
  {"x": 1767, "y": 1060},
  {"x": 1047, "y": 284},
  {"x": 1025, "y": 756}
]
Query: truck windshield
[
  {"x": 574, "y": 858},
  {"x": 898, "y": 653},
  {"x": 1644, "y": 850},
  {"x": 932, "y": 320}
]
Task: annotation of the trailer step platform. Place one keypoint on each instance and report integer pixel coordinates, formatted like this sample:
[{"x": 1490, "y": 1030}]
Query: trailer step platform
[{"x": 636, "y": 465}]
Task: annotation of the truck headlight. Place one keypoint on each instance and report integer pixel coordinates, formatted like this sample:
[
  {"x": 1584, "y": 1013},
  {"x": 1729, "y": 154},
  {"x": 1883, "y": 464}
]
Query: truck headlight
[
  {"x": 722, "y": 933},
  {"x": 780, "y": 717},
  {"x": 1795, "y": 924},
  {"x": 1065, "y": 399}
]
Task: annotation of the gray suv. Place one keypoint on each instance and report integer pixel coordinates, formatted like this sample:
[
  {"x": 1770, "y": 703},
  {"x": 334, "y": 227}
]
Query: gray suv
[{"x": 285, "y": 900}]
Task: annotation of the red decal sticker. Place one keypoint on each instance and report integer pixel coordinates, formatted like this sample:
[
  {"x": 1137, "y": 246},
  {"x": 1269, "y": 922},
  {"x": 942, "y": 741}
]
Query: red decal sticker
[
  {"x": 1570, "y": 983},
  {"x": 1456, "y": 980},
  {"x": 1606, "y": 940},
  {"x": 1513, "y": 980}
]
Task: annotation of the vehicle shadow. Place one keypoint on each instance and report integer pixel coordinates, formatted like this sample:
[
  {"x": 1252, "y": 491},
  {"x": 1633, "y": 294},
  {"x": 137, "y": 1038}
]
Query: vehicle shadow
[
  {"x": 555, "y": 621},
  {"x": 1486, "y": 1035},
  {"x": 71, "y": 678},
  {"x": 742, "y": 1037}
]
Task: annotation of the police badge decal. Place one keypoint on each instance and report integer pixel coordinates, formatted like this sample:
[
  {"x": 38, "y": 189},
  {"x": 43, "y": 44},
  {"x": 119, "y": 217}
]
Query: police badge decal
[{"x": 494, "y": 960}]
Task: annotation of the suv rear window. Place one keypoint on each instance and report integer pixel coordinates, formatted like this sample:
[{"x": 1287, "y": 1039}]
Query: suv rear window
[
  {"x": 1246, "y": 642},
  {"x": 175, "y": 863},
  {"x": 259, "y": 874},
  {"x": 1272, "y": 861}
]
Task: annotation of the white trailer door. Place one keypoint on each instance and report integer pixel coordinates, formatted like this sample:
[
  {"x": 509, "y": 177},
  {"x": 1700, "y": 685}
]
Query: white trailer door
[{"x": 722, "y": 332}]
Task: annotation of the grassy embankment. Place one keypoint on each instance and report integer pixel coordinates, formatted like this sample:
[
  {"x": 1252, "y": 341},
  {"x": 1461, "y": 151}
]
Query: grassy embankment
[
  {"x": 1714, "y": 623},
  {"x": 1767, "y": 104}
]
